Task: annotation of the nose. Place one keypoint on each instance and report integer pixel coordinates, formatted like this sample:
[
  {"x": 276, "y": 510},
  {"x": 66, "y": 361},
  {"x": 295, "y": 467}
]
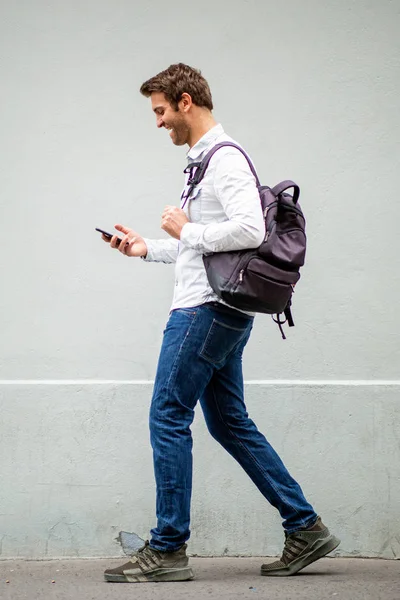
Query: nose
[{"x": 160, "y": 122}]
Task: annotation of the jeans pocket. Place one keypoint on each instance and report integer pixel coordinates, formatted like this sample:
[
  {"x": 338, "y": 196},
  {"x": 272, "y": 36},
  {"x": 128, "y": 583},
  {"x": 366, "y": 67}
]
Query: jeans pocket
[
  {"x": 188, "y": 312},
  {"x": 220, "y": 341}
]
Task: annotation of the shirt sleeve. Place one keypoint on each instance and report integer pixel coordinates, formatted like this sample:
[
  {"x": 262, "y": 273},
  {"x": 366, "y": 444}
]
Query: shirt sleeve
[
  {"x": 165, "y": 250},
  {"x": 236, "y": 189}
]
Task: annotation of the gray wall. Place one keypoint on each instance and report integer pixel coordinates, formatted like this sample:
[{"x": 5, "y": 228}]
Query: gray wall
[{"x": 311, "y": 90}]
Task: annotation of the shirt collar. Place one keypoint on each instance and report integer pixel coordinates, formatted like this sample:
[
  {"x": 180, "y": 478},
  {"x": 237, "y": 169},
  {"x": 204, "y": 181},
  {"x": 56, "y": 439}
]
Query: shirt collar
[{"x": 205, "y": 142}]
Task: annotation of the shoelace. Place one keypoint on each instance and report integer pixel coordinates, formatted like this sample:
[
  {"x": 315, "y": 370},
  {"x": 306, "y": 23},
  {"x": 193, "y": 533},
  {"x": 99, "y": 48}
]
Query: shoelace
[
  {"x": 292, "y": 549},
  {"x": 146, "y": 557}
]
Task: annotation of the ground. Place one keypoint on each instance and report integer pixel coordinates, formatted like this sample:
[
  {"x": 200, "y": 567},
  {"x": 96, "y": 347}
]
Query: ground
[{"x": 222, "y": 578}]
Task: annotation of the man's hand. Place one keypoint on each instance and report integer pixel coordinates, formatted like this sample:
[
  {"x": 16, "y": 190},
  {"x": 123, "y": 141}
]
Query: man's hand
[
  {"x": 172, "y": 221},
  {"x": 132, "y": 244}
]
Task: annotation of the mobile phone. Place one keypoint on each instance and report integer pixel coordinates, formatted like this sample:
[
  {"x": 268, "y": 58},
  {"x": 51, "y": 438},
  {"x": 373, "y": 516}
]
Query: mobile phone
[{"x": 108, "y": 235}]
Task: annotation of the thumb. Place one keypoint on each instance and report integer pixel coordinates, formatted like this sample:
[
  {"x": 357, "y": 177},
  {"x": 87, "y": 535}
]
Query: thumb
[{"x": 122, "y": 228}]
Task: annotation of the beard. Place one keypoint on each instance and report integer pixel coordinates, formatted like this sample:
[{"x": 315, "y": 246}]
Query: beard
[{"x": 180, "y": 132}]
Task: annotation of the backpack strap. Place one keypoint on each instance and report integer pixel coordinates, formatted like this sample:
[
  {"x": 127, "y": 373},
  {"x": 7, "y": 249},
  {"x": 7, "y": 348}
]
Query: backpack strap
[
  {"x": 288, "y": 315},
  {"x": 288, "y": 319},
  {"x": 202, "y": 167},
  {"x": 285, "y": 185}
]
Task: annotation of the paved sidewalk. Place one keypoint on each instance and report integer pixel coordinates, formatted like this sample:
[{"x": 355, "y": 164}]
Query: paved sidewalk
[{"x": 220, "y": 578}]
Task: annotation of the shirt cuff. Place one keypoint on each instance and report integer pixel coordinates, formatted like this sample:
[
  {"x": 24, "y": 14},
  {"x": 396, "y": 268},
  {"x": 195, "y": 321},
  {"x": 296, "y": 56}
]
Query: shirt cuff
[{"x": 149, "y": 256}]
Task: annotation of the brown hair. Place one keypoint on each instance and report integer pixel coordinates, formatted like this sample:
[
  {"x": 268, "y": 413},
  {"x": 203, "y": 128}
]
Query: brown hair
[{"x": 175, "y": 81}]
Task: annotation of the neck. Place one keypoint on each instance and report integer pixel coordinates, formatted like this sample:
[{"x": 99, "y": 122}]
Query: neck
[{"x": 203, "y": 122}]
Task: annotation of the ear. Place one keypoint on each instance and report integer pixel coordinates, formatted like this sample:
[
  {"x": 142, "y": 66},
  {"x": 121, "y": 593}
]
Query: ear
[{"x": 185, "y": 103}]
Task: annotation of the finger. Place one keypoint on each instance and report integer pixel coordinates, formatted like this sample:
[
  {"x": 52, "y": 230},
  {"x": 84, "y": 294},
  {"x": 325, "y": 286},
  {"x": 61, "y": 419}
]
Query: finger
[
  {"x": 121, "y": 246},
  {"x": 124, "y": 245},
  {"x": 129, "y": 246},
  {"x": 105, "y": 238},
  {"x": 122, "y": 228},
  {"x": 114, "y": 241}
]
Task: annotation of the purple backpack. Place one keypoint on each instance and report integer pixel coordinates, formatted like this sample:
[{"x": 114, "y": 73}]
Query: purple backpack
[{"x": 260, "y": 279}]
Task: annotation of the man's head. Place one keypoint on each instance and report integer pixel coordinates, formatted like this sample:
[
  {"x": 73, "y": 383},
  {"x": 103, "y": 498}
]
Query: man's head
[{"x": 181, "y": 100}]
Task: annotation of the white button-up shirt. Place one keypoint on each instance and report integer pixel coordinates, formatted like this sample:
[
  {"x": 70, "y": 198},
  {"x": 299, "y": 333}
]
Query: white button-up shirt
[{"x": 224, "y": 213}]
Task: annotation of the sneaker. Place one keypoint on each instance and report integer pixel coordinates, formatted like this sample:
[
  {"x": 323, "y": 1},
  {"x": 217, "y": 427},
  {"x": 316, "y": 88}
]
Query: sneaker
[
  {"x": 148, "y": 564},
  {"x": 302, "y": 548}
]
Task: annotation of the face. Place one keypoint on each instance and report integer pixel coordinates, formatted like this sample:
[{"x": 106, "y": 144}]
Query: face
[{"x": 169, "y": 118}]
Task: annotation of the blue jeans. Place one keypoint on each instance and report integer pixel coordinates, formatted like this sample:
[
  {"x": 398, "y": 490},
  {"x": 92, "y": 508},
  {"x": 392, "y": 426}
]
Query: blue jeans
[{"x": 201, "y": 358}]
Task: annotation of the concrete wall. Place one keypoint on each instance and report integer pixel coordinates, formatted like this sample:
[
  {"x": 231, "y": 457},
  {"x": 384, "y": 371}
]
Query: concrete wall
[{"x": 311, "y": 90}]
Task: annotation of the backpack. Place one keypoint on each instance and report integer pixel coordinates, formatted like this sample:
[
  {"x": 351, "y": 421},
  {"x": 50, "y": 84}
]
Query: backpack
[{"x": 260, "y": 279}]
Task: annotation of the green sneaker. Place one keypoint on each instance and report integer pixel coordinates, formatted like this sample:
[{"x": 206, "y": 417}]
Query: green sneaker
[
  {"x": 302, "y": 548},
  {"x": 148, "y": 565}
]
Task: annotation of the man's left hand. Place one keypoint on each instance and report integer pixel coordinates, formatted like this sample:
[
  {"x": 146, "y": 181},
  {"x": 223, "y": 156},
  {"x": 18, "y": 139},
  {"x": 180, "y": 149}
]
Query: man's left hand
[{"x": 172, "y": 221}]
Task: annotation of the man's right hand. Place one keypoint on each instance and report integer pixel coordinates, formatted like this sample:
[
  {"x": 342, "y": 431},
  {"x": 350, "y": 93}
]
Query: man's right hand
[{"x": 132, "y": 244}]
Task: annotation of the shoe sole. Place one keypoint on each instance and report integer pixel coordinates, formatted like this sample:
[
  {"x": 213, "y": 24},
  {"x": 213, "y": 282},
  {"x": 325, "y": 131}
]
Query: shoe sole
[
  {"x": 327, "y": 546},
  {"x": 184, "y": 574}
]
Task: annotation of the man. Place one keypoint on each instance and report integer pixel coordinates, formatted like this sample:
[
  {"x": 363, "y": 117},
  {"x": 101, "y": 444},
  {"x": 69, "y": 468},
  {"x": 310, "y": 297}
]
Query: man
[{"x": 201, "y": 353}]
